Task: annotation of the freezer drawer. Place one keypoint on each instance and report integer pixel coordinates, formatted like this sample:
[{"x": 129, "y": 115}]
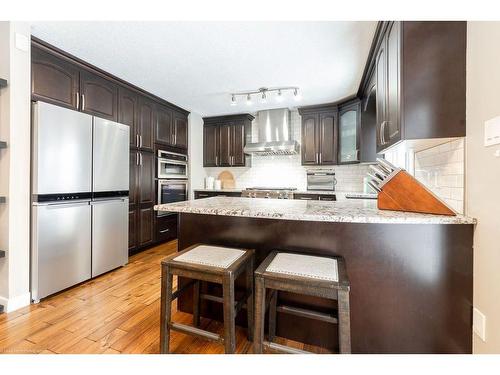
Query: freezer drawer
[
  {"x": 62, "y": 150},
  {"x": 61, "y": 247},
  {"x": 111, "y": 156},
  {"x": 110, "y": 235}
]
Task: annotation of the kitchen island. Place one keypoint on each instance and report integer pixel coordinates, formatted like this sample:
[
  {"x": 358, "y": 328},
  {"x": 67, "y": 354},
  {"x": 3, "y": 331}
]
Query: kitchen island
[{"x": 410, "y": 274}]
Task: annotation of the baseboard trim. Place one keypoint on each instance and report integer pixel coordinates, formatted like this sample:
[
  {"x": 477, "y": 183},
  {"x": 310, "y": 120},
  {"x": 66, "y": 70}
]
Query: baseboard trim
[{"x": 15, "y": 303}]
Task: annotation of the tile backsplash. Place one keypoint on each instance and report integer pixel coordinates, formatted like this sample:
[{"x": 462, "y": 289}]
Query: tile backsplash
[
  {"x": 442, "y": 170},
  {"x": 276, "y": 171}
]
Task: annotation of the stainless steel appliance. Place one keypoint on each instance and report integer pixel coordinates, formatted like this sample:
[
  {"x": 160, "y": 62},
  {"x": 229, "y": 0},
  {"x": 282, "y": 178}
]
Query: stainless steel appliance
[
  {"x": 268, "y": 192},
  {"x": 170, "y": 191},
  {"x": 321, "y": 179},
  {"x": 79, "y": 198},
  {"x": 172, "y": 165},
  {"x": 274, "y": 134}
]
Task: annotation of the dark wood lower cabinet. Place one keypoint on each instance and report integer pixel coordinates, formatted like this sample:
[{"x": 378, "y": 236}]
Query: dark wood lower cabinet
[
  {"x": 132, "y": 231},
  {"x": 145, "y": 228},
  {"x": 166, "y": 228},
  {"x": 208, "y": 194}
]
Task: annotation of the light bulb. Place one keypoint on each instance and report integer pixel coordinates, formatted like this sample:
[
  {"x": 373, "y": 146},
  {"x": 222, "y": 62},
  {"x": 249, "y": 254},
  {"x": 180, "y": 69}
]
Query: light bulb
[
  {"x": 279, "y": 97},
  {"x": 249, "y": 100},
  {"x": 264, "y": 97},
  {"x": 233, "y": 100},
  {"x": 296, "y": 95}
]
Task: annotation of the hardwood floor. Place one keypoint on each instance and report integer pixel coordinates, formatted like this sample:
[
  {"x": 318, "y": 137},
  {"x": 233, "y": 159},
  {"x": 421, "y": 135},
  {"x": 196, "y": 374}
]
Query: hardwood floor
[{"x": 118, "y": 312}]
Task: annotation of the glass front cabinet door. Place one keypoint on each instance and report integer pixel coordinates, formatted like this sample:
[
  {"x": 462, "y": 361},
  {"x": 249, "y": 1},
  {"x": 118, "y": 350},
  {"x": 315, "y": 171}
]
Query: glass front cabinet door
[{"x": 349, "y": 127}]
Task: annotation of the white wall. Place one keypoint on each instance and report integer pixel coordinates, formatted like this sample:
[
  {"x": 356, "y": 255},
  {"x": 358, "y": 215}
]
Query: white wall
[
  {"x": 15, "y": 164},
  {"x": 483, "y": 175},
  {"x": 195, "y": 152}
]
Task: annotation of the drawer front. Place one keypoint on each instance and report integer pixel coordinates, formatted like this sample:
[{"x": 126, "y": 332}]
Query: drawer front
[
  {"x": 327, "y": 197},
  {"x": 166, "y": 228}
]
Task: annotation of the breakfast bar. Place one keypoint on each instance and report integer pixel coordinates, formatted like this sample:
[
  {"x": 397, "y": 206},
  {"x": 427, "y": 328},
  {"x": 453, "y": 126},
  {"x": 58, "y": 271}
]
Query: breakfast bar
[{"x": 411, "y": 274}]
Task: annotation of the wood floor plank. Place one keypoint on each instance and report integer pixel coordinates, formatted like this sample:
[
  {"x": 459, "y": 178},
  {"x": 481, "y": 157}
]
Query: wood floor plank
[{"x": 118, "y": 312}]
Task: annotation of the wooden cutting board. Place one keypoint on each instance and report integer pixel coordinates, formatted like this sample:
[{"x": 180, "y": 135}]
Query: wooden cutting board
[{"x": 227, "y": 180}]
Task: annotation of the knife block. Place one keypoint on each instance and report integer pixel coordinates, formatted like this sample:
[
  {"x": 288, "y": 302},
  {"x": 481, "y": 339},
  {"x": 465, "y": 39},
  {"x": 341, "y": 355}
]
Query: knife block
[{"x": 403, "y": 192}]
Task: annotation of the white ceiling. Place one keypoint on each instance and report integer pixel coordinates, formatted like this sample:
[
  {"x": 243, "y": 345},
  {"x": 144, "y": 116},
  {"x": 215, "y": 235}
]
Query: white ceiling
[{"x": 195, "y": 65}]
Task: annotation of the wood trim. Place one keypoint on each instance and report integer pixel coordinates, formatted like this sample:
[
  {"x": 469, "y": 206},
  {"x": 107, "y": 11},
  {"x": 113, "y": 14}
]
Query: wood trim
[
  {"x": 370, "y": 61},
  {"x": 214, "y": 120},
  {"x": 85, "y": 65}
]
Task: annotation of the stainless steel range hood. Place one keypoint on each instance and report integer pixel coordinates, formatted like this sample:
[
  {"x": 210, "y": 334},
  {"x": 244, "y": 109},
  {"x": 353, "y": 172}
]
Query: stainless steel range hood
[{"x": 274, "y": 134}]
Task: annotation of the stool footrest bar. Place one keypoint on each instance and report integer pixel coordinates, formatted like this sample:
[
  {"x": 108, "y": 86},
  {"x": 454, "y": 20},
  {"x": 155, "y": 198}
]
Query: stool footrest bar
[
  {"x": 283, "y": 349},
  {"x": 305, "y": 313},
  {"x": 196, "y": 332}
]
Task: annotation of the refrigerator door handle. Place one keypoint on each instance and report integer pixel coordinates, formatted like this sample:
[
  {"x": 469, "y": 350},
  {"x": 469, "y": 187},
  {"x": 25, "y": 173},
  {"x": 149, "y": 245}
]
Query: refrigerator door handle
[{"x": 65, "y": 204}]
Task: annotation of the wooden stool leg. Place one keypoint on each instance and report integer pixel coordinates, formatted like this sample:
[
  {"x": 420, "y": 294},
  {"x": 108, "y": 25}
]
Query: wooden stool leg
[
  {"x": 272, "y": 314},
  {"x": 166, "y": 309},
  {"x": 229, "y": 313},
  {"x": 196, "y": 304},
  {"x": 344, "y": 322},
  {"x": 250, "y": 299},
  {"x": 260, "y": 313}
]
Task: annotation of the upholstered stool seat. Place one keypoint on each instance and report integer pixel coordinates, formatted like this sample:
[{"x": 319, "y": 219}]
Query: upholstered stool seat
[
  {"x": 324, "y": 277},
  {"x": 215, "y": 264},
  {"x": 214, "y": 256}
]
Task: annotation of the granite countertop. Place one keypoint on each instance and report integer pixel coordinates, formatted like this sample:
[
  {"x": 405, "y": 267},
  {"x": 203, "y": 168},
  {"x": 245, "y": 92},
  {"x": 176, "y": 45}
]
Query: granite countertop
[
  {"x": 323, "y": 192},
  {"x": 345, "y": 211}
]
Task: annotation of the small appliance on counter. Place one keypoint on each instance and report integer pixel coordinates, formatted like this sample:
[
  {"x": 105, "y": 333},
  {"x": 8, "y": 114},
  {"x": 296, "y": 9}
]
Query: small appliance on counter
[
  {"x": 209, "y": 183},
  {"x": 321, "y": 179},
  {"x": 399, "y": 191}
]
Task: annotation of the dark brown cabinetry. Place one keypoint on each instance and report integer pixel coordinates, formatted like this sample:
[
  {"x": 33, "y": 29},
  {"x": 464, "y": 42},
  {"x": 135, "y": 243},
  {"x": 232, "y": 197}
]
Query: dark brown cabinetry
[
  {"x": 64, "y": 80},
  {"x": 319, "y": 135},
  {"x": 164, "y": 126},
  {"x": 99, "y": 96},
  {"x": 171, "y": 128},
  {"x": 349, "y": 132},
  {"x": 166, "y": 227},
  {"x": 224, "y": 140},
  {"x": 419, "y": 73},
  {"x": 127, "y": 112},
  {"x": 54, "y": 80},
  {"x": 141, "y": 198},
  {"x": 145, "y": 124},
  {"x": 180, "y": 131}
]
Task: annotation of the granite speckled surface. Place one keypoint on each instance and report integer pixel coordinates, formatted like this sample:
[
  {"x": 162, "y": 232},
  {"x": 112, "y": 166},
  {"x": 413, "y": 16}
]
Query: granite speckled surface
[{"x": 345, "y": 211}]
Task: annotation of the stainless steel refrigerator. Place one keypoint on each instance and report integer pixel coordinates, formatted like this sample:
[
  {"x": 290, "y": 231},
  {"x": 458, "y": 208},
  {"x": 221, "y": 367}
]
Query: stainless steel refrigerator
[{"x": 80, "y": 183}]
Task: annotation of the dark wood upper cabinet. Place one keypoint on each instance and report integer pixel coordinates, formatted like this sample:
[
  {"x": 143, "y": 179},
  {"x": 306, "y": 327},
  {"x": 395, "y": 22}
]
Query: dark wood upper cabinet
[
  {"x": 319, "y": 135},
  {"x": 164, "y": 133},
  {"x": 328, "y": 138},
  {"x": 99, "y": 96},
  {"x": 54, "y": 79},
  {"x": 180, "y": 130},
  {"x": 225, "y": 145},
  {"x": 349, "y": 132},
  {"x": 419, "y": 69},
  {"x": 128, "y": 111},
  {"x": 224, "y": 140},
  {"x": 237, "y": 144},
  {"x": 210, "y": 146},
  {"x": 310, "y": 139},
  {"x": 146, "y": 123}
]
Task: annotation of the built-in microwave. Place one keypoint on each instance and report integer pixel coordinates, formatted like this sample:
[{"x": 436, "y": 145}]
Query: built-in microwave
[
  {"x": 171, "y": 191},
  {"x": 172, "y": 165}
]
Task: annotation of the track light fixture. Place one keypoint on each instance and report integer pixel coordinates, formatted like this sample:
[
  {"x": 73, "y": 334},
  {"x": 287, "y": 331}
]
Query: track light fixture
[{"x": 263, "y": 93}]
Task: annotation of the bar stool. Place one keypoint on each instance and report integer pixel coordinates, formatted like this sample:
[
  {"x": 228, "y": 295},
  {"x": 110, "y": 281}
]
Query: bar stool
[
  {"x": 214, "y": 264},
  {"x": 324, "y": 277}
]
